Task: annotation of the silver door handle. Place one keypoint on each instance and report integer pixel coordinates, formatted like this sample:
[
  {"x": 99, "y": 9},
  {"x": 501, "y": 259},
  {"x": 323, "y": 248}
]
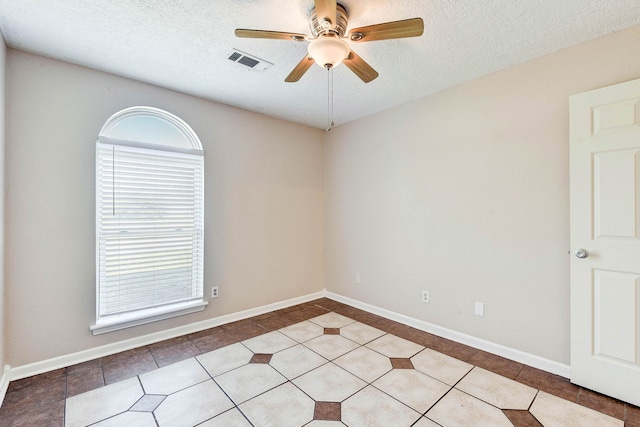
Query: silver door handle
[{"x": 582, "y": 253}]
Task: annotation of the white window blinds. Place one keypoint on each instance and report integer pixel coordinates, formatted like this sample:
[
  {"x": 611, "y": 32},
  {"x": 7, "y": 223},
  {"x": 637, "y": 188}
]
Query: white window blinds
[{"x": 150, "y": 231}]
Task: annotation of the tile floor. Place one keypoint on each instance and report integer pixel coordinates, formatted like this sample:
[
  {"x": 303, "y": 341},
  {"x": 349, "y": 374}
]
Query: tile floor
[{"x": 317, "y": 364}]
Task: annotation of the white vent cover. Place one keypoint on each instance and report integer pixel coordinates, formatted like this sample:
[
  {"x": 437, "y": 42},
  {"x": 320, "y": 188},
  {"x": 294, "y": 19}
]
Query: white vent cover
[{"x": 248, "y": 60}]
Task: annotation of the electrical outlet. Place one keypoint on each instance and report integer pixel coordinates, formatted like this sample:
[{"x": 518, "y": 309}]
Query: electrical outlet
[
  {"x": 479, "y": 309},
  {"x": 425, "y": 296},
  {"x": 357, "y": 280},
  {"x": 214, "y": 292}
]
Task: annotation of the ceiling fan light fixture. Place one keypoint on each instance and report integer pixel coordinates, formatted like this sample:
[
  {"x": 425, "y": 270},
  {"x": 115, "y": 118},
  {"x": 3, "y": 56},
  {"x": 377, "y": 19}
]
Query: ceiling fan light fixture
[{"x": 328, "y": 51}]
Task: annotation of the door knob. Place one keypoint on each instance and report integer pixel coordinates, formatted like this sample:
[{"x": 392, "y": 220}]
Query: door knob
[{"x": 582, "y": 253}]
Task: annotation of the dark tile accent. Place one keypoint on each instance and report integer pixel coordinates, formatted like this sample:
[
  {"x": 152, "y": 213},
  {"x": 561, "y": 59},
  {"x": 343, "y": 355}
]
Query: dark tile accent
[
  {"x": 352, "y": 313},
  {"x": 355, "y": 315},
  {"x": 127, "y": 364},
  {"x": 423, "y": 338},
  {"x": 277, "y": 322},
  {"x": 331, "y": 305},
  {"x": 606, "y": 405},
  {"x": 550, "y": 383},
  {"x": 148, "y": 403},
  {"x": 497, "y": 364},
  {"x": 450, "y": 348},
  {"x": 85, "y": 366},
  {"x": 34, "y": 392},
  {"x": 173, "y": 351},
  {"x": 261, "y": 317},
  {"x": 261, "y": 358},
  {"x": 49, "y": 415},
  {"x": 633, "y": 416},
  {"x": 401, "y": 363},
  {"x": 85, "y": 380},
  {"x": 36, "y": 379},
  {"x": 314, "y": 311},
  {"x": 382, "y": 323},
  {"x": 332, "y": 331},
  {"x": 249, "y": 331},
  {"x": 397, "y": 329},
  {"x": 212, "y": 339},
  {"x": 521, "y": 418},
  {"x": 328, "y": 411},
  {"x": 288, "y": 309},
  {"x": 239, "y": 324},
  {"x": 412, "y": 334},
  {"x": 315, "y": 304},
  {"x": 299, "y": 315}
]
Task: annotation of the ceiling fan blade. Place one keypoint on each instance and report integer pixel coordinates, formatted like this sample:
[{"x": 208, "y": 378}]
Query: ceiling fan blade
[
  {"x": 360, "y": 67},
  {"x": 299, "y": 70},
  {"x": 389, "y": 30},
  {"x": 326, "y": 9},
  {"x": 263, "y": 34}
]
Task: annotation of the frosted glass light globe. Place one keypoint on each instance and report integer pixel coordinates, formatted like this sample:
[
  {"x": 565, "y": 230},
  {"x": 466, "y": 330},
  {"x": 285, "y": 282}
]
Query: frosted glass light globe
[{"x": 328, "y": 51}]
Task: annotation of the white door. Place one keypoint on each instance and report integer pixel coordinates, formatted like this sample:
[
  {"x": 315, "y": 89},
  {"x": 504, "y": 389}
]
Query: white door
[{"x": 605, "y": 240}]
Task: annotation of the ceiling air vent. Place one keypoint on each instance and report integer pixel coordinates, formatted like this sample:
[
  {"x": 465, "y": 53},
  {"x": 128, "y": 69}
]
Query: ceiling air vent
[{"x": 248, "y": 60}]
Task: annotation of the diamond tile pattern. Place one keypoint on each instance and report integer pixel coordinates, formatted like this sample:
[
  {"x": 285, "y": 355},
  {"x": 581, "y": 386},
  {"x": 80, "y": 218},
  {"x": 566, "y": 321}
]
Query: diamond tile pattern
[
  {"x": 261, "y": 358},
  {"x": 148, "y": 403},
  {"x": 328, "y": 365},
  {"x": 401, "y": 363},
  {"x": 328, "y": 411}
]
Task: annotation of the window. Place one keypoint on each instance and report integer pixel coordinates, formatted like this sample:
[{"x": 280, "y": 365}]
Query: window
[{"x": 149, "y": 219}]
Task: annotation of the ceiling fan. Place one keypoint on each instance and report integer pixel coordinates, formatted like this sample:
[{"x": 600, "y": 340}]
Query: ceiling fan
[{"x": 327, "y": 46}]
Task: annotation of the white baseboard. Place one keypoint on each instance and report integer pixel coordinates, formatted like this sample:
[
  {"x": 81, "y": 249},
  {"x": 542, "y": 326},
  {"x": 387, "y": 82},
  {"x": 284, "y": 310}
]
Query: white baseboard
[
  {"x": 4, "y": 383},
  {"x": 24, "y": 371},
  {"x": 500, "y": 350}
]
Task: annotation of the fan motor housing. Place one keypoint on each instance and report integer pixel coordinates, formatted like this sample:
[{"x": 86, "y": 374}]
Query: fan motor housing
[{"x": 340, "y": 27}]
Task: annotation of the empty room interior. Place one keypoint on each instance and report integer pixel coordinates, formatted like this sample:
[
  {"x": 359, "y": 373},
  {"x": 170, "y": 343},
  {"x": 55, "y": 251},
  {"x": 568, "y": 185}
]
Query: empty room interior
[{"x": 394, "y": 240}]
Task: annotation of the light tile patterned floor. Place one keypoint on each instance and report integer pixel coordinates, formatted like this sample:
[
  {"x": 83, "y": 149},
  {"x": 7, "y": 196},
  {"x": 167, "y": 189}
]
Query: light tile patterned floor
[
  {"x": 329, "y": 370},
  {"x": 446, "y": 381}
]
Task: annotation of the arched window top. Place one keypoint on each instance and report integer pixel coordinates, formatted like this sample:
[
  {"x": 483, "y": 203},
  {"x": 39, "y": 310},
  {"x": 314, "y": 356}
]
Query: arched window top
[
  {"x": 149, "y": 219},
  {"x": 150, "y": 126}
]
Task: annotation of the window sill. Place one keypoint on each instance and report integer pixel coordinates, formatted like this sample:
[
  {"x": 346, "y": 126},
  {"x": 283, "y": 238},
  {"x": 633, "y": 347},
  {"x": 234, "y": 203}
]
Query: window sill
[{"x": 122, "y": 321}]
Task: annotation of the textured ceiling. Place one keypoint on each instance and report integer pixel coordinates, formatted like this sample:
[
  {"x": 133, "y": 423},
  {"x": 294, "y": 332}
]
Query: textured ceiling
[{"x": 184, "y": 44}]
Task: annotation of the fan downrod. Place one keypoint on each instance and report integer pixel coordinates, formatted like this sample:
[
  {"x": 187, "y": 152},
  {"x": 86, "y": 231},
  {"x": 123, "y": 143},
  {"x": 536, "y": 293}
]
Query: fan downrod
[{"x": 322, "y": 27}]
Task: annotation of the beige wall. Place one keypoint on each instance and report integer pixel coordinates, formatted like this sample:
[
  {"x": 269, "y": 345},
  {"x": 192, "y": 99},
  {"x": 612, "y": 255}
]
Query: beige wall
[
  {"x": 466, "y": 194},
  {"x": 463, "y": 193},
  {"x": 263, "y": 190},
  {"x": 3, "y": 96}
]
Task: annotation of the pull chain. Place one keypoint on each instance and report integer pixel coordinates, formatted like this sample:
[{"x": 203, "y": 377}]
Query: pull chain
[{"x": 330, "y": 123}]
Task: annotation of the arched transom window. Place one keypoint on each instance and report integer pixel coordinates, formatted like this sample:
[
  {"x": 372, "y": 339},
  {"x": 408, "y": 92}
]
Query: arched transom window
[{"x": 149, "y": 219}]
